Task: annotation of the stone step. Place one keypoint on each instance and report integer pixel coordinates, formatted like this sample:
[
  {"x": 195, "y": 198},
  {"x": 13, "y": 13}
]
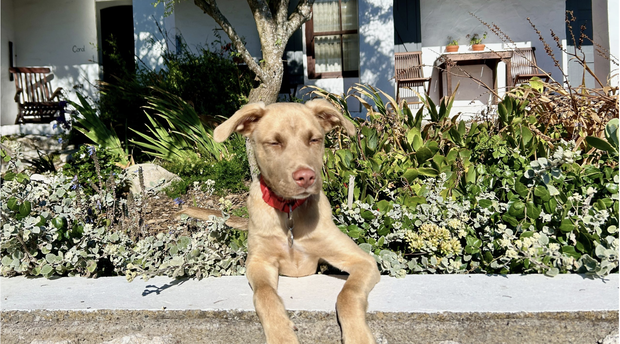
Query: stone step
[{"x": 445, "y": 309}]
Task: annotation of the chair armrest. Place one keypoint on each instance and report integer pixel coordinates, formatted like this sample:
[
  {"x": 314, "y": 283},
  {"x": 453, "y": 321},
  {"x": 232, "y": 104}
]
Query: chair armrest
[
  {"x": 17, "y": 93},
  {"x": 56, "y": 93}
]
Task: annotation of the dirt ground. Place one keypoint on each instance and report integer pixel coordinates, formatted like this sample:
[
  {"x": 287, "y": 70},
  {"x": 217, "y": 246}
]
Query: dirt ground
[{"x": 159, "y": 211}]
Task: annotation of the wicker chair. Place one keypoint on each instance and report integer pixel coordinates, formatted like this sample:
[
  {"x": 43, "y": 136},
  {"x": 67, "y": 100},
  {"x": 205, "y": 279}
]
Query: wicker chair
[
  {"x": 524, "y": 67},
  {"x": 408, "y": 74}
]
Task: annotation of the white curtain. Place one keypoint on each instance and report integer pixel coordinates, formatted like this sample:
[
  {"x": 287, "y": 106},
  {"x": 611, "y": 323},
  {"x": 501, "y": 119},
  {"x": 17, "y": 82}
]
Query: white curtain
[{"x": 327, "y": 50}]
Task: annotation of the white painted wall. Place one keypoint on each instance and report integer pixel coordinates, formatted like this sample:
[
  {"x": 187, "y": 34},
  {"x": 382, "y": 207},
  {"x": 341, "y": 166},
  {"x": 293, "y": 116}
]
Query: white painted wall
[
  {"x": 60, "y": 34},
  {"x": 377, "y": 44},
  {"x": 197, "y": 27},
  {"x": 150, "y": 42},
  {"x": 7, "y": 87},
  {"x": 613, "y": 11},
  {"x": 605, "y": 32}
]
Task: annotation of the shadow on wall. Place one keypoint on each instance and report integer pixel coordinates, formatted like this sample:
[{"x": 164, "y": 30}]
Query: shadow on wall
[
  {"x": 377, "y": 44},
  {"x": 150, "y": 41}
]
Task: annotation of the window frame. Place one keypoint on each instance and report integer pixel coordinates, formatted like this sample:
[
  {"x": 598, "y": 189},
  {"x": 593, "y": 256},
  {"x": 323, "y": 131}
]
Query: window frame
[{"x": 310, "y": 35}]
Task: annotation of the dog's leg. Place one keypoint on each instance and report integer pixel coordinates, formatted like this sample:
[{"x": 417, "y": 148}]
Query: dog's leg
[
  {"x": 353, "y": 299},
  {"x": 263, "y": 278}
]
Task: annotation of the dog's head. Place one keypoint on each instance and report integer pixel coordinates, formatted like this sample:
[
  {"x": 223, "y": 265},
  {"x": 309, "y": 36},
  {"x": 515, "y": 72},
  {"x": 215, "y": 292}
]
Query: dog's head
[{"x": 288, "y": 140}]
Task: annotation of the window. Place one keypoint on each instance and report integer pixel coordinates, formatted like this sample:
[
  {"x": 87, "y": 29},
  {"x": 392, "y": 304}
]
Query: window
[{"x": 332, "y": 39}]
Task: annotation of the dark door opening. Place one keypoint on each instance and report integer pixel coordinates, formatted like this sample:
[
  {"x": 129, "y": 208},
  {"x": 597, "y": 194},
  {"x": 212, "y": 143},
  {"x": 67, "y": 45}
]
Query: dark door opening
[{"x": 117, "y": 43}]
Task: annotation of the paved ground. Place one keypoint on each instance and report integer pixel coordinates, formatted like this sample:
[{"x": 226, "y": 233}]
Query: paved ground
[{"x": 416, "y": 309}]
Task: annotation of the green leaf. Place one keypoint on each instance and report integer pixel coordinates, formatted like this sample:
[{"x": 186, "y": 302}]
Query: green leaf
[
  {"x": 552, "y": 272},
  {"x": 552, "y": 190},
  {"x": 367, "y": 215},
  {"x": 12, "y": 204},
  {"x": 485, "y": 203},
  {"x": 423, "y": 154},
  {"x": 470, "y": 177},
  {"x": 517, "y": 209},
  {"x": 533, "y": 211},
  {"x": 22, "y": 178},
  {"x": 91, "y": 266},
  {"x": 429, "y": 172},
  {"x": 567, "y": 226},
  {"x": 24, "y": 209},
  {"x": 600, "y": 144},
  {"x": 410, "y": 174},
  {"x": 184, "y": 242},
  {"x": 526, "y": 134},
  {"x": 417, "y": 142},
  {"x": 510, "y": 220},
  {"x": 46, "y": 270},
  {"x": 9, "y": 176},
  {"x": 521, "y": 189},
  {"x": 384, "y": 206},
  {"x": 365, "y": 247},
  {"x": 353, "y": 231},
  {"x": 571, "y": 252},
  {"x": 542, "y": 192}
]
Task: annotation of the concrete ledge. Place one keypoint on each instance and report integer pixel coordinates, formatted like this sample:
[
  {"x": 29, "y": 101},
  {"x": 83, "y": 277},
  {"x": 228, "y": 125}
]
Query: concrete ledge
[{"x": 416, "y": 309}]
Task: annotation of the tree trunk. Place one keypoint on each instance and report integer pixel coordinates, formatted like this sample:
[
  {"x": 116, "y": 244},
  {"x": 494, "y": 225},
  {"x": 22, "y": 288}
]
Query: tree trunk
[{"x": 266, "y": 92}]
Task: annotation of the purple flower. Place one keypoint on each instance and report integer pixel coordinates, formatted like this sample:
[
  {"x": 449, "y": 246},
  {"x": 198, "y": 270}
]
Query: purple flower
[
  {"x": 55, "y": 125},
  {"x": 60, "y": 140},
  {"x": 178, "y": 201},
  {"x": 91, "y": 150}
]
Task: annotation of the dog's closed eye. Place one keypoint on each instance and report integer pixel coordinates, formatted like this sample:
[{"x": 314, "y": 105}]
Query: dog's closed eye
[{"x": 316, "y": 141}]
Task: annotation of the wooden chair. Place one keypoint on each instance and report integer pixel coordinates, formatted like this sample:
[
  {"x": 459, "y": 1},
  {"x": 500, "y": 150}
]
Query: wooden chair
[
  {"x": 35, "y": 101},
  {"x": 408, "y": 74},
  {"x": 524, "y": 67}
]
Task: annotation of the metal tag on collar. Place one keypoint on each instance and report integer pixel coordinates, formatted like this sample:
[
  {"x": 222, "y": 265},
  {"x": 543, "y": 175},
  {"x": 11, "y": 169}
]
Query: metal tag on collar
[{"x": 290, "y": 226}]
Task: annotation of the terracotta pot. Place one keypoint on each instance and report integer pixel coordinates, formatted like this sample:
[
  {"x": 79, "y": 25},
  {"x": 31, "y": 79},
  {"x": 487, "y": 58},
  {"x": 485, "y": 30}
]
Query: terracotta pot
[
  {"x": 477, "y": 47},
  {"x": 452, "y": 48}
]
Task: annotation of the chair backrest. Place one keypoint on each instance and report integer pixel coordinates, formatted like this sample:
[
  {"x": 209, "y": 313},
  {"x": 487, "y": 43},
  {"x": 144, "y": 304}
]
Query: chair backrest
[
  {"x": 33, "y": 82},
  {"x": 408, "y": 65},
  {"x": 523, "y": 61}
]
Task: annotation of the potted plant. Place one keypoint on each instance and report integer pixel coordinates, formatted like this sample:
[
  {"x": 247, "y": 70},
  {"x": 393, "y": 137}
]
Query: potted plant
[
  {"x": 476, "y": 41},
  {"x": 453, "y": 45}
]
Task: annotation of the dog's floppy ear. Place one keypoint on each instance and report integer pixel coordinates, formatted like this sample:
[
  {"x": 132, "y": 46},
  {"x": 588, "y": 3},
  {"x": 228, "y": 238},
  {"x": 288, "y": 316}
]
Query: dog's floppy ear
[
  {"x": 329, "y": 116},
  {"x": 243, "y": 121}
]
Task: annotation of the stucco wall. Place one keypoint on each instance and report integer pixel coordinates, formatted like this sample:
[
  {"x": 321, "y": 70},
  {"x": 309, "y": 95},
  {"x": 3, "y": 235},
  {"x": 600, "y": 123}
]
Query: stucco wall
[{"x": 60, "y": 34}]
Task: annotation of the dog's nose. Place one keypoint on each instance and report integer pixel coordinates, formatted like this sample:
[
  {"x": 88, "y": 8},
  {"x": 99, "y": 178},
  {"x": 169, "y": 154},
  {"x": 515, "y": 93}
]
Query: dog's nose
[{"x": 304, "y": 177}]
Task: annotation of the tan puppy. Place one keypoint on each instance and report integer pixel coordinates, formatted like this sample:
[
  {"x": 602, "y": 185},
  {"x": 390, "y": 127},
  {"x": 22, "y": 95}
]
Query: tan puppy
[{"x": 288, "y": 144}]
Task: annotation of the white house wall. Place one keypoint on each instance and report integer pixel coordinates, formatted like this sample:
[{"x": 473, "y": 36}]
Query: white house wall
[
  {"x": 613, "y": 12},
  {"x": 605, "y": 34},
  {"x": 60, "y": 34},
  {"x": 197, "y": 27},
  {"x": 149, "y": 29},
  {"x": 8, "y": 107}
]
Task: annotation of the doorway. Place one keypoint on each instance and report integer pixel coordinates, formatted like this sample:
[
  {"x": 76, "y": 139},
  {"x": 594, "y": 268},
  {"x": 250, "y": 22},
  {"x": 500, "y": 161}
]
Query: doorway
[{"x": 117, "y": 41}]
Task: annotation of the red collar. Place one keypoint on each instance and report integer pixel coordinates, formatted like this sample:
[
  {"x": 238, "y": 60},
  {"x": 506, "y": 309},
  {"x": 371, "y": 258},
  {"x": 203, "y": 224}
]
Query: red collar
[{"x": 278, "y": 202}]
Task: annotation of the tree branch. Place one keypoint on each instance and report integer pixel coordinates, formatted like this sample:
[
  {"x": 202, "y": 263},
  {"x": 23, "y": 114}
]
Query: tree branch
[
  {"x": 302, "y": 14},
  {"x": 281, "y": 12},
  {"x": 210, "y": 8}
]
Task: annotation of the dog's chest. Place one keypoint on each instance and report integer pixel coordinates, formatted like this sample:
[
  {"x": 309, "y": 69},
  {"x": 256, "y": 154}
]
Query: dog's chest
[{"x": 296, "y": 262}]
